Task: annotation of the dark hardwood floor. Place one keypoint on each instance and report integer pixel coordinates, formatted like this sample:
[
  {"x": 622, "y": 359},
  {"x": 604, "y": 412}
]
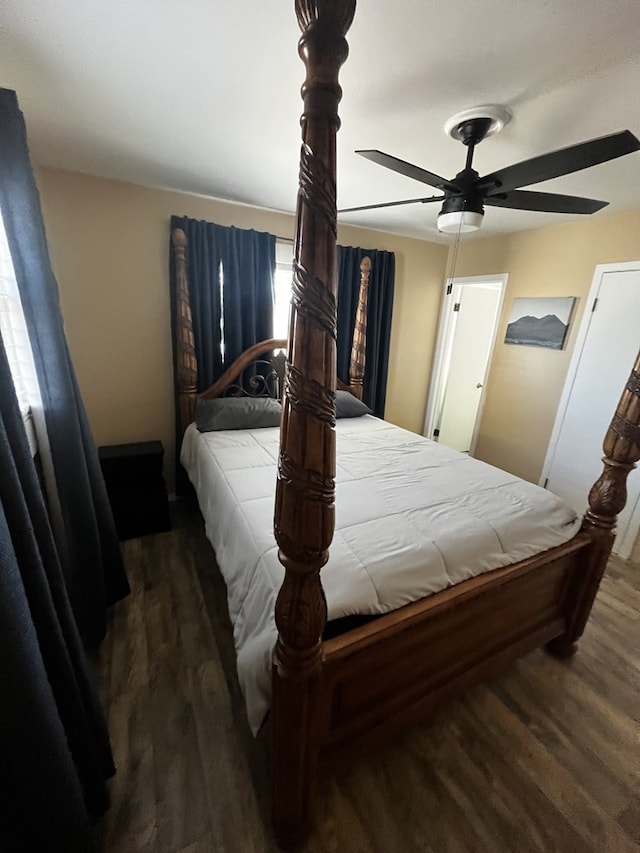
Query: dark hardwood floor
[{"x": 544, "y": 758}]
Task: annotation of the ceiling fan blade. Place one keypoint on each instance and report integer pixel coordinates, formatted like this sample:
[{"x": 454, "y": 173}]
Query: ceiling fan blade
[
  {"x": 545, "y": 202},
  {"x": 410, "y": 171},
  {"x": 561, "y": 162},
  {"x": 394, "y": 203}
]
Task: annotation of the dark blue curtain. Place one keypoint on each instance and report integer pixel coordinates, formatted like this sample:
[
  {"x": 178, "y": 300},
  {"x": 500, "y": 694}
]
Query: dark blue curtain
[
  {"x": 88, "y": 544},
  {"x": 242, "y": 314},
  {"x": 380, "y": 310},
  {"x": 53, "y": 739}
]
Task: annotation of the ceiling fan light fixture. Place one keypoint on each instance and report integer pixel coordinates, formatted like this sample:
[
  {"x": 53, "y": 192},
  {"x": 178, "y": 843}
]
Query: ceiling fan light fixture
[{"x": 459, "y": 221}]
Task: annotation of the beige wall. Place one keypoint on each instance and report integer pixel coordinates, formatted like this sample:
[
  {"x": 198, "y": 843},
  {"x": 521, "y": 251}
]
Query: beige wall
[
  {"x": 525, "y": 383},
  {"x": 109, "y": 247}
]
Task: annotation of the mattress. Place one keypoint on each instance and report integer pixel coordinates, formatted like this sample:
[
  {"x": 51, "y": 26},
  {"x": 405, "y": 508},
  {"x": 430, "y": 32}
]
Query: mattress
[{"x": 412, "y": 518}]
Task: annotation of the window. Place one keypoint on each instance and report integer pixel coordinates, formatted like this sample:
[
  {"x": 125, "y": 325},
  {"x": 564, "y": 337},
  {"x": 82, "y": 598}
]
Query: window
[
  {"x": 282, "y": 288},
  {"x": 16, "y": 340},
  {"x": 221, "y": 292}
]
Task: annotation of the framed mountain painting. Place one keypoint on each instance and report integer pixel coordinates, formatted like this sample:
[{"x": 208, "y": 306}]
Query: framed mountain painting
[{"x": 540, "y": 321}]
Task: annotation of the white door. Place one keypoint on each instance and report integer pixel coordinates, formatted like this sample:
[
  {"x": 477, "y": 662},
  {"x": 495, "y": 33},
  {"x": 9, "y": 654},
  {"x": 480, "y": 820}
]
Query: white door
[
  {"x": 605, "y": 351},
  {"x": 468, "y": 329}
]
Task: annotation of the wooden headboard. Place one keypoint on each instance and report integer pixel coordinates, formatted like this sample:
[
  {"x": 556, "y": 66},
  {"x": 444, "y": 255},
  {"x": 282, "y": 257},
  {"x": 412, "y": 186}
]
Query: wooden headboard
[{"x": 187, "y": 363}]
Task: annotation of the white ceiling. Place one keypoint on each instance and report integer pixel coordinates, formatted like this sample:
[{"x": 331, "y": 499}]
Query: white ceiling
[{"x": 203, "y": 95}]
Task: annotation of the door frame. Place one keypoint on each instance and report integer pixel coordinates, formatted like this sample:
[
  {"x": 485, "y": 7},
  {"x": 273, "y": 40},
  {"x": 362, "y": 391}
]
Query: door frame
[
  {"x": 626, "y": 539},
  {"x": 444, "y": 342}
]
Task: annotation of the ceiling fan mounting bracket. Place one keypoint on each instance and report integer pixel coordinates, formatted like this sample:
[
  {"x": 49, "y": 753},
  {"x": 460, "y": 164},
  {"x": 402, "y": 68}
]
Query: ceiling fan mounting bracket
[{"x": 472, "y": 126}]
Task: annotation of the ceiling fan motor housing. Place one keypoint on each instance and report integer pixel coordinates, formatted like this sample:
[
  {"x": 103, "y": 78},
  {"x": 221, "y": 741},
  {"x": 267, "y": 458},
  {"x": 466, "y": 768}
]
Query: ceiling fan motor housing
[
  {"x": 467, "y": 200},
  {"x": 460, "y": 214}
]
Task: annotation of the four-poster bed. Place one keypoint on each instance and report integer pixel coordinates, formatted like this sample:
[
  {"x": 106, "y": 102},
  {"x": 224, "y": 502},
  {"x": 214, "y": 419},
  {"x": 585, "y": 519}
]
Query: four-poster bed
[{"x": 333, "y": 697}]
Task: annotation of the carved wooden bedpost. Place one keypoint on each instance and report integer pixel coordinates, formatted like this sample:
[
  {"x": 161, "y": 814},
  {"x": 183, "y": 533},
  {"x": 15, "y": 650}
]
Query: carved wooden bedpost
[
  {"x": 186, "y": 362},
  {"x": 359, "y": 343},
  {"x": 305, "y": 491},
  {"x": 607, "y": 499}
]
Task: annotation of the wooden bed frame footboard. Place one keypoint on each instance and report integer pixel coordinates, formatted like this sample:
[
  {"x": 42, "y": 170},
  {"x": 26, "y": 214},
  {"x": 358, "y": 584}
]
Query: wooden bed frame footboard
[
  {"x": 381, "y": 677},
  {"x": 335, "y": 696}
]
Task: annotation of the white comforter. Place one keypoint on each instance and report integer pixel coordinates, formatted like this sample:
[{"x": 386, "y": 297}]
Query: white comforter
[{"x": 412, "y": 517}]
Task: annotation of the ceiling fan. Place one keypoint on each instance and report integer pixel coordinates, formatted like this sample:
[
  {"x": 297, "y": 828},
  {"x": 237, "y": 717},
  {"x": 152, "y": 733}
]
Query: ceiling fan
[{"x": 465, "y": 196}]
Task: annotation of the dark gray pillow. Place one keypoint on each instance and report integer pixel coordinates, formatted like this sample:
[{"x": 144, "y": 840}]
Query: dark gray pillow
[
  {"x": 237, "y": 413},
  {"x": 348, "y": 406}
]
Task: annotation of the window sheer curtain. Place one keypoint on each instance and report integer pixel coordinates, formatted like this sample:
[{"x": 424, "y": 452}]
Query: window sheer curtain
[
  {"x": 85, "y": 535},
  {"x": 379, "y": 315}
]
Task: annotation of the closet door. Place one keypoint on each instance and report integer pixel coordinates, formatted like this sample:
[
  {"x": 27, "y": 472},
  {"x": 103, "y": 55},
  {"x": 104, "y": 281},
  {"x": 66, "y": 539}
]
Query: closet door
[{"x": 606, "y": 349}]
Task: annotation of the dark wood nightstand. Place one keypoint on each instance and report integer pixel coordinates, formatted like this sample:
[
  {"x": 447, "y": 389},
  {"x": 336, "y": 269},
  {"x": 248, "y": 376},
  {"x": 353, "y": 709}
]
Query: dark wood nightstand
[{"x": 136, "y": 487}]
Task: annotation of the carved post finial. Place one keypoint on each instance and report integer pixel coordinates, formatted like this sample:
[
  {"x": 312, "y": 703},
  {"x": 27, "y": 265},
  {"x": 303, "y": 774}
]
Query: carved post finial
[
  {"x": 607, "y": 499},
  {"x": 608, "y": 495},
  {"x": 359, "y": 344},
  {"x": 186, "y": 361},
  {"x": 305, "y": 489}
]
